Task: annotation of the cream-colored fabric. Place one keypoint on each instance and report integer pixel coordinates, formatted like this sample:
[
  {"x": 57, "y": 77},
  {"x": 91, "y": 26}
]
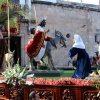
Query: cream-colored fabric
[{"x": 41, "y": 53}]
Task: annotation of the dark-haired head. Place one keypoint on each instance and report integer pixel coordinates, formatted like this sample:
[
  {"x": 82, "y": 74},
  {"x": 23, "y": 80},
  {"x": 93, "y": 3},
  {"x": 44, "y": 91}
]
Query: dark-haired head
[
  {"x": 42, "y": 23},
  {"x": 34, "y": 95},
  {"x": 32, "y": 30}
]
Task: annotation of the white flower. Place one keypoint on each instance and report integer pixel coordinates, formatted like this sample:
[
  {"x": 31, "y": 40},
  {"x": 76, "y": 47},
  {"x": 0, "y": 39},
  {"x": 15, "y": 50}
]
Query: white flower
[
  {"x": 98, "y": 94},
  {"x": 2, "y": 81},
  {"x": 29, "y": 82}
]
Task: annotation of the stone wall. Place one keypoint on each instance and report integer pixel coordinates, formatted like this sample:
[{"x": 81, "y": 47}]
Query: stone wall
[
  {"x": 24, "y": 40},
  {"x": 82, "y": 20}
]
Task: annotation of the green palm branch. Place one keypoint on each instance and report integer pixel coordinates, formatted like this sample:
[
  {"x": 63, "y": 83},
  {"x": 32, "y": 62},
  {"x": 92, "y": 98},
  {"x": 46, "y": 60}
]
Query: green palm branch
[{"x": 14, "y": 13}]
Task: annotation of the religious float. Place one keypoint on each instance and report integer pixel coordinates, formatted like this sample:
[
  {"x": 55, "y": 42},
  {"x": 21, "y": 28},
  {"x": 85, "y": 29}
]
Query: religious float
[
  {"x": 16, "y": 84},
  {"x": 48, "y": 89}
]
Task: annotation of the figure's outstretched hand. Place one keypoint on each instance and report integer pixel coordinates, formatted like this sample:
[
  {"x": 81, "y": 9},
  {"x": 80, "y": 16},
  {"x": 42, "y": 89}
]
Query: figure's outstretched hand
[{"x": 48, "y": 30}]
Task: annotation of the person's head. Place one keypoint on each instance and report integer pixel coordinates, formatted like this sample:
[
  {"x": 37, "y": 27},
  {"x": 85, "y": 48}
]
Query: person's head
[
  {"x": 32, "y": 30},
  {"x": 77, "y": 38},
  {"x": 2, "y": 28},
  {"x": 34, "y": 96},
  {"x": 78, "y": 42},
  {"x": 42, "y": 23}
]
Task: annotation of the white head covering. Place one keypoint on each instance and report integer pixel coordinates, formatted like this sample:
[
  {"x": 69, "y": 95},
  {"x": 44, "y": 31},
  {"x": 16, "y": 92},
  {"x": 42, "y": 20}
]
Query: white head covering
[{"x": 78, "y": 42}]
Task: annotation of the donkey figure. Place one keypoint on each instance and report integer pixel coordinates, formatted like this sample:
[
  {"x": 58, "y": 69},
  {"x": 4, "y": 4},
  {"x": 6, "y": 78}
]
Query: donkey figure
[
  {"x": 10, "y": 57},
  {"x": 51, "y": 45}
]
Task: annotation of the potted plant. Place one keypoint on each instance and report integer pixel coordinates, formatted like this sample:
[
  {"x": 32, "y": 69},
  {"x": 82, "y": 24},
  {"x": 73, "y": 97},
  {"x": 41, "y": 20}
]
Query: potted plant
[{"x": 16, "y": 75}]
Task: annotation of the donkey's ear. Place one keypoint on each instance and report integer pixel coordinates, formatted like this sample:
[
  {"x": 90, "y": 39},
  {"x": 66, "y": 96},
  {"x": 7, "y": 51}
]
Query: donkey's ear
[{"x": 13, "y": 51}]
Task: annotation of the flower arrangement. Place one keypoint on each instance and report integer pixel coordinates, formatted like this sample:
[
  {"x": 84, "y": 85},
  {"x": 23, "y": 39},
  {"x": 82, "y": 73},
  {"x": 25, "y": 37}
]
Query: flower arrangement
[
  {"x": 61, "y": 81},
  {"x": 96, "y": 84}
]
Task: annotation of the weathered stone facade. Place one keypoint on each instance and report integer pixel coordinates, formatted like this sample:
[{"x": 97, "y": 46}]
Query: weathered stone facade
[{"x": 67, "y": 18}]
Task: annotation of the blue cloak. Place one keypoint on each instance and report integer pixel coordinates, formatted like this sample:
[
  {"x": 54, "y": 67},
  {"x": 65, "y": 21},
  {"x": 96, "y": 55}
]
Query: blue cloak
[{"x": 83, "y": 66}]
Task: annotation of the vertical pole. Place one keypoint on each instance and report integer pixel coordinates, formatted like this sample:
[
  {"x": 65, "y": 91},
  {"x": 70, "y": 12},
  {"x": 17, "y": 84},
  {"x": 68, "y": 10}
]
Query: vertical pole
[{"x": 8, "y": 26}]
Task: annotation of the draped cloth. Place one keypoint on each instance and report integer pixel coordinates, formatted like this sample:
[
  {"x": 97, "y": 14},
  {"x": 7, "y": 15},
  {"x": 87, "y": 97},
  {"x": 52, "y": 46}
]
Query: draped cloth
[
  {"x": 83, "y": 65},
  {"x": 33, "y": 48},
  {"x": 36, "y": 47}
]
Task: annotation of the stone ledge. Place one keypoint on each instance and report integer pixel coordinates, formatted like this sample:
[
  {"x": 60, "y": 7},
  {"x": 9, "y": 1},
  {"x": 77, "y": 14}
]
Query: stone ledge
[
  {"x": 83, "y": 6},
  {"x": 47, "y": 72}
]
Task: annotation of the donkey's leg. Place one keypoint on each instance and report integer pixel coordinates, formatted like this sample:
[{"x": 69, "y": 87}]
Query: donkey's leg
[
  {"x": 49, "y": 64},
  {"x": 30, "y": 67},
  {"x": 50, "y": 60},
  {"x": 31, "y": 64},
  {"x": 53, "y": 67}
]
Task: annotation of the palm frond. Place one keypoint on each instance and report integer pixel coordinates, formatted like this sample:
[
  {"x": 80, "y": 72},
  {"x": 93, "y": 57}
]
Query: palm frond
[
  {"x": 13, "y": 13},
  {"x": 12, "y": 23}
]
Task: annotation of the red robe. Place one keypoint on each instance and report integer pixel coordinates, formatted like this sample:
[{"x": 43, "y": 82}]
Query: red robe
[{"x": 33, "y": 48}]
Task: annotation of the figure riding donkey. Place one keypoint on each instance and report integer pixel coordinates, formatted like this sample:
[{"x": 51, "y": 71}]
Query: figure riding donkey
[
  {"x": 41, "y": 45},
  {"x": 36, "y": 47}
]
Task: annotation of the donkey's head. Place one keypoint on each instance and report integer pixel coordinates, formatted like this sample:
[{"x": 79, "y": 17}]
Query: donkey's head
[
  {"x": 10, "y": 57},
  {"x": 62, "y": 39}
]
